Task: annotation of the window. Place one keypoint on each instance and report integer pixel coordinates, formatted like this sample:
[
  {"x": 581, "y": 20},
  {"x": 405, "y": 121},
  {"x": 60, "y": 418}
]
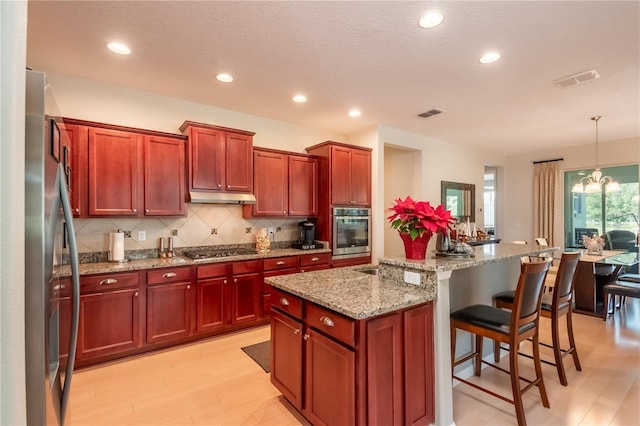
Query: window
[{"x": 602, "y": 212}]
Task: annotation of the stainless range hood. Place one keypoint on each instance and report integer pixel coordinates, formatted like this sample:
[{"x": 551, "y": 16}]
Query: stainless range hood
[{"x": 221, "y": 198}]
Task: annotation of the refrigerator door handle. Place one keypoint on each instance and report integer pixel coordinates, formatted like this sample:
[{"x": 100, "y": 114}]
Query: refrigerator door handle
[{"x": 75, "y": 279}]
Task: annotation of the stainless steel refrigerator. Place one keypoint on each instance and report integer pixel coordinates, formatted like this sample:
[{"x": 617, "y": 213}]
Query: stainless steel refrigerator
[{"x": 49, "y": 243}]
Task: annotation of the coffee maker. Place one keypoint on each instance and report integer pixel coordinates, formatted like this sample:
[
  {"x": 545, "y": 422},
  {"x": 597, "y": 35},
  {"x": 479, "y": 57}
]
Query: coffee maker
[{"x": 306, "y": 236}]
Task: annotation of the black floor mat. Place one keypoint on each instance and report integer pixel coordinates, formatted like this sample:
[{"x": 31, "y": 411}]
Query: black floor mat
[{"x": 260, "y": 353}]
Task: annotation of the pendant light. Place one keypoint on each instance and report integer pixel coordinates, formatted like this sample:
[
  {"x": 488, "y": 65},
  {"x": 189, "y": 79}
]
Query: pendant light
[{"x": 594, "y": 183}]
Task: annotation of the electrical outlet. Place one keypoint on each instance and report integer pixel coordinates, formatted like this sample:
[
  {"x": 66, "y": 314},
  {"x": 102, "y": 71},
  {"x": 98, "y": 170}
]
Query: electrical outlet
[
  {"x": 412, "y": 278},
  {"x": 127, "y": 234},
  {"x": 247, "y": 230},
  {"x": 270, "y": 230},
  {"x": 174, "y": 232},
  {"x": 214, "y": 231},
  {"x": 142, "y": 235}
]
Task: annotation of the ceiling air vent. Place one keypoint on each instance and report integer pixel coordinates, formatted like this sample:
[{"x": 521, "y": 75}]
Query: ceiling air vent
[
  {"x": 430, "y": 113},
  {"x": 581, "y": 77}
]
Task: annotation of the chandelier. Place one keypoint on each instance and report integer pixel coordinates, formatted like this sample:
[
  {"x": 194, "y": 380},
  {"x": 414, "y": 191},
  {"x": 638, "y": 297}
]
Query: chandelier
[{"x": 594, "y": 183}]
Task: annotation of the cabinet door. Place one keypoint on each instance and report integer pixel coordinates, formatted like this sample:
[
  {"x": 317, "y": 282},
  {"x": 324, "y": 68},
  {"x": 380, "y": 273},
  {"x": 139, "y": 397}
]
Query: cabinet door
[
  {"x": 286, "y": 357},
  {"x": 114, "y": 172},
  {"x": 303, "y": 186},
  {"x": 341, "y": 175},
  {"x": 329, "y": 381},
  {"x": 206, "y": 159},
  {"x": 64, "y": 319},
  {"x": 245, "y": 298},
  {"x": 361, "y": 177},
  {"x": 211, "y": 311},
  {"x": 169, "y": 311},
  {"x": 239, "y": 161},
  {"x": 109, "y": 323},
  {"x": 164, "y": 176},
  {"x": 75, "y": 137},
  {"x": 270, "y": 184}
]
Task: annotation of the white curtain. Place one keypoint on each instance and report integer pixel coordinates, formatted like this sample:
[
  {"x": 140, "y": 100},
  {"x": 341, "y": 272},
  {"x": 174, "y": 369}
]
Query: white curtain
[{"x": 547, "y": 202}]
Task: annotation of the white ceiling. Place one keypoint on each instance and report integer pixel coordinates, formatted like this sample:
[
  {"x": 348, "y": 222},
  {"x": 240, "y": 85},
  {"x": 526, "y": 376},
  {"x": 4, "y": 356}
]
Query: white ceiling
[{"x": 369, "y": 55}]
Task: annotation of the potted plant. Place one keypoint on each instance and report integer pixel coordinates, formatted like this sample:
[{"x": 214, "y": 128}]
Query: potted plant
[{"x": 416, "y": 222}]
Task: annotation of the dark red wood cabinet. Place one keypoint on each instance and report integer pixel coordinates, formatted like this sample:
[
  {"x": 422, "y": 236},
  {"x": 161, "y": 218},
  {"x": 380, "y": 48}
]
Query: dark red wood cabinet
[
  {"x": 170, "y": 305},
  {"x": 164, "y": 176},
  {"x": 124, "y": 172},
  {"x": 285, "y": 184},
  {"x": 358, "y": 372},
  {"x": 246, "y": 292},
  {"x": 219, "y": 159}
]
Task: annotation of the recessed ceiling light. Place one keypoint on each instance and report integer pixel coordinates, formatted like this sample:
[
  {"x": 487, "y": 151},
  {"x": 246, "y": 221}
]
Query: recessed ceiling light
[
  {"x": 354, "y": 113},
  {"x": 225, "y": 78},
  {"x": 430, "y": 20},
  {"x": 119, "y": 48},
  {"x": 489, "y": 57},
  {"x": 299, "y": 98}
]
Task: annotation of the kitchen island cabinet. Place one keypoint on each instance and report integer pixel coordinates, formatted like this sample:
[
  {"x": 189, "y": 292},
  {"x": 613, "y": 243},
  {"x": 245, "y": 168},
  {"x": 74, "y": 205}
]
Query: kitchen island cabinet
[{"x": 338, "y": 370}]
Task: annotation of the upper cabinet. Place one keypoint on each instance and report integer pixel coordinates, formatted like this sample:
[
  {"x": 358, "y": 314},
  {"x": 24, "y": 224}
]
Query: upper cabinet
[
  {"x": 124, "y": 172},
  {"x": 285, "y": 184},
  {"x": 219, "y": 159},
  {"x": 346, "y": 169}
]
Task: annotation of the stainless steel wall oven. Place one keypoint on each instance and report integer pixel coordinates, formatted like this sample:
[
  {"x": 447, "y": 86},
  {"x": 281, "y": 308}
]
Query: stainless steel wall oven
[{"x": 351, "y": 232}]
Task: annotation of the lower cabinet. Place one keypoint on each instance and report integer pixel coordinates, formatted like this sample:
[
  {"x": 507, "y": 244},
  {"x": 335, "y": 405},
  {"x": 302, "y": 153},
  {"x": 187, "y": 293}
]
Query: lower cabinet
[
  {"x": 336, "y": 370},
  {"x": 170, "y": 305}
]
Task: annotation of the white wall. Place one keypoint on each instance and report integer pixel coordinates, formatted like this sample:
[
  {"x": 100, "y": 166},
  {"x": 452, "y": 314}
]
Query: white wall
[
  {"x": 518, "y": 179},
  {"x": 13, "y": 42}
]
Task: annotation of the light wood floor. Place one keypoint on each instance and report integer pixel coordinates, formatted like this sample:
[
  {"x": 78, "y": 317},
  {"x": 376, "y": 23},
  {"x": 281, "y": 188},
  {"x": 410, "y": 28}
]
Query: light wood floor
[{"x": 215, "y": 383}]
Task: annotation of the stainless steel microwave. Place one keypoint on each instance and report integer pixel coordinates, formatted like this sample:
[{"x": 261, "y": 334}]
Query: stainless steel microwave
[{"x": 351, "y": 231}]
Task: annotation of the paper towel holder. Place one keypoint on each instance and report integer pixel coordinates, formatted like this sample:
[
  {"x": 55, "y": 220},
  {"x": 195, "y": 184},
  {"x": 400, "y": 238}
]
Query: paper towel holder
[{"x": 111, "y": 256}]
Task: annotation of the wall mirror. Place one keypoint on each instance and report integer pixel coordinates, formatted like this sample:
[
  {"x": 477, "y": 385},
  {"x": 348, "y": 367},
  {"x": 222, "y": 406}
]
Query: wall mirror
[{"x": 460, "y": 199}]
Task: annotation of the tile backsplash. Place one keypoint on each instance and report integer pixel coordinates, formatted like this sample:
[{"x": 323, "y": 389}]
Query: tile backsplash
[{"x": 194, "y": 230}]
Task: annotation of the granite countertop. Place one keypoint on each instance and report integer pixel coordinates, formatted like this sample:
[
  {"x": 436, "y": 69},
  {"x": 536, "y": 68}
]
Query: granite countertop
[
  {"x": 359, "y": 295},
  {"x": 350, "y": 292},
  {"x": 154, "y": 263}
]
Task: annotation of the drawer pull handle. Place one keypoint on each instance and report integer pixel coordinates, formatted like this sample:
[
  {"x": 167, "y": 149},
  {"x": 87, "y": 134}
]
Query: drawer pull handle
[
  {"x": 169, "y": 275},
  {"x": 315, "y": 259},
  {"x": 305, "y": 336},
  {"x": 280, "y": 262},
  {"x": 108, "y": 281},
  {"x": 284, "y": 301},
  {"x": 326, "y": 321},
  {"x": 296, "y": 331}
]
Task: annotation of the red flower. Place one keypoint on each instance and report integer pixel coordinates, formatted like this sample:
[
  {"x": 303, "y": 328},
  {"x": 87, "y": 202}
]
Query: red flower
[{"x": 418, "y": 217}]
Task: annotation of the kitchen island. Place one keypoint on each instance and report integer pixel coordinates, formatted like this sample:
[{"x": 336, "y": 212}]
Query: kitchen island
[{"x": 357, "y": 298}]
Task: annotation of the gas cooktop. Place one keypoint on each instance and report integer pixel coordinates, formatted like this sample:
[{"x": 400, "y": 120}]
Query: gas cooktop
[{"x": 212, "y": 254}]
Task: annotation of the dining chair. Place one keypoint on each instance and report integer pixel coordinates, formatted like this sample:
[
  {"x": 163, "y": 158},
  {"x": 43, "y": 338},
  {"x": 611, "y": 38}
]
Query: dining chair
[
  {"x": 508, "y": 327},
  {"x": 553, "y": 306},
  {"x": 550, "y": 280}
]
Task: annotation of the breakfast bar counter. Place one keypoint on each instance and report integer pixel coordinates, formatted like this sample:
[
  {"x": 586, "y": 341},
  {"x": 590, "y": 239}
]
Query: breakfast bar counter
[{"x": 449, "y": 283}]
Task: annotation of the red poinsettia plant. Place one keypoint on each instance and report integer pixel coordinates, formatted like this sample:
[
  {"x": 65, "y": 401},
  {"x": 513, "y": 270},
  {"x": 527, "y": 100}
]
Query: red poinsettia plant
[{"x": 419, "y": 217}]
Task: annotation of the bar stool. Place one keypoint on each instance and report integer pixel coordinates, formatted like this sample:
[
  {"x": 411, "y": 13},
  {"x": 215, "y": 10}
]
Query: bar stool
[
  {"x": 510, "y": 328},
  {"x": 553, "y": 306},
  {"x": 625, "y": 285}
]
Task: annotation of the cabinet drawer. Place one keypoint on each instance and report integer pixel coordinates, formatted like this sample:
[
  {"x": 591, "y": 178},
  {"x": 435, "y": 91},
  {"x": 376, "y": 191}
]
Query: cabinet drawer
[
  {"x": 168, "y": 275},
  {"x": 315, "y": 259},
  {"x": 286, "y": 302},
  {"x": 277, "y": 263},
  {"x": 108, "y": 282},
  {"x": 212, "y": 271},
  {"x": 245, "y": 267},
  {"x": 331, "y": 323}
]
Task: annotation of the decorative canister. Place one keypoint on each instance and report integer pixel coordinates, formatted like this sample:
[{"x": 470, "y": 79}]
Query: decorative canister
[{"x": 263, "y": 243}]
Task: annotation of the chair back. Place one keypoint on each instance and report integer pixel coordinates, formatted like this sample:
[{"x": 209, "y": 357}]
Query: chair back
[
  {"x": 542, "y": 242},
  {"x": 563, "y": 288},
  {"x": 528, "y": 296}
]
